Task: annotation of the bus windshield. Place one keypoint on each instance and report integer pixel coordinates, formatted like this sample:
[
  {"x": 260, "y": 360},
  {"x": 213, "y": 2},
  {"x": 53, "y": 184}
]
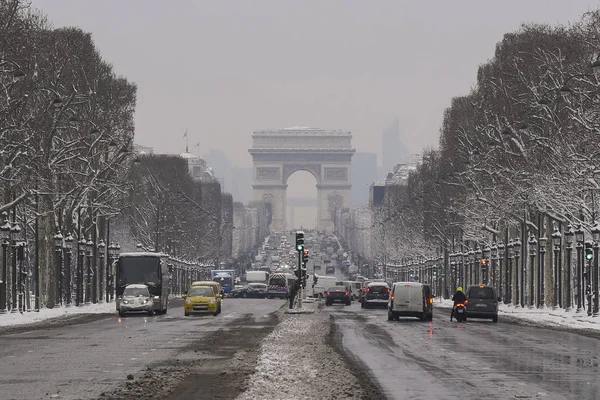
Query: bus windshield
[
  {"x": 144, "y": 270},
  {"x": 224, "y": 280}
]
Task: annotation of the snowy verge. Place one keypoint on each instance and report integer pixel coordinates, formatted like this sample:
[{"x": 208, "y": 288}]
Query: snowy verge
[
  {"x": 31, "y": 317},
  {"x": 545, "y": 316},
  {"x": 296, "y": 362}
]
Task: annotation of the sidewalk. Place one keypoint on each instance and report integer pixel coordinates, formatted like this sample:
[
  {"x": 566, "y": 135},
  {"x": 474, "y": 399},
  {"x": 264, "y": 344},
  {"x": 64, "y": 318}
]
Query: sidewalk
[
  {"x": 31, "y": 317},
  {"x": 545, "y": 316}
]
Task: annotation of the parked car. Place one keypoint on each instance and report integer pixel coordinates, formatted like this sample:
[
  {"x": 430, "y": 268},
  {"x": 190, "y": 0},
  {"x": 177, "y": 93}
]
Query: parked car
[
  {"x": 482, "y": 302},
  {"x": 256, "y": 290},
  {"x": 410, "y": 299},
  {"x": 377, "y": 294},
  {"x": 337, "y": 294}
]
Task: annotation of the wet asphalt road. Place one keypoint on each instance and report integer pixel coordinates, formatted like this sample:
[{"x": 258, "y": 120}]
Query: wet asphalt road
[
  {"x": 411, "y": 359},
  {"x": 82, "y": 361}
]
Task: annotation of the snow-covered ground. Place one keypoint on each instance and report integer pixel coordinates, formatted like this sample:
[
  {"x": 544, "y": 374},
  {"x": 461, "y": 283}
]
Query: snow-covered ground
[
  {"x": 543, "y": 316},
  {"x": 31, "y": 317},
  {"x": 296, "y": 362}
]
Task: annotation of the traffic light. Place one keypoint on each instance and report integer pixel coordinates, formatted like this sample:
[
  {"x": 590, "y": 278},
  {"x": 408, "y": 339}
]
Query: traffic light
[
  {"x": 589, "y": 252},
  {"x": 588, "y": 290},
  {"x": 300, "y": 241},
  {"x": 304, "y": 257}
]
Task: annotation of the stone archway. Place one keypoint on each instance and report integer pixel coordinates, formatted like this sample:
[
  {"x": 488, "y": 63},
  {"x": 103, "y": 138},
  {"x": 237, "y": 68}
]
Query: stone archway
[{"x": 327, "y": 155}]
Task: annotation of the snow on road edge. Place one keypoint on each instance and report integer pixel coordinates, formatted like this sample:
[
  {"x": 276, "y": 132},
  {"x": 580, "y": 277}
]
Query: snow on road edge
[
  {"x": 31, "y": 317},
  {"x": 296, "y": 362}
]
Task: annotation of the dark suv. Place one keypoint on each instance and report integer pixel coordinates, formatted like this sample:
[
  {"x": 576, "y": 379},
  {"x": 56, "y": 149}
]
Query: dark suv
[
  {"x": 377, "y": 293},
  {"x": 482, "y": 302},
  {"x": 428, "y": 301}
]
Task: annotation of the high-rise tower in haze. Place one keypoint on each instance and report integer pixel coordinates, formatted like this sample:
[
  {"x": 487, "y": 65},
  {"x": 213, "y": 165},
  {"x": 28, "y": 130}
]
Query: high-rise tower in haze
[{"x": 393, "y": 151}]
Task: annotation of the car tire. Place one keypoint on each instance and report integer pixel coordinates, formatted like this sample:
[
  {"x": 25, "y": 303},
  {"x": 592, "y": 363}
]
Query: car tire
[
  {"x": 186, "y": 314},
  {"x": 244, "y": 295},
  {"x": 423, "y": 317},
  {"x": 328, "y": 303},
  {"x": 215, "y": 314},
  {"x": 495, "y": 319},
  {"x": 150, "y": 313},
  {"x": 348, "y": 303},
  {"x": 121, "y": 314},
  {"x": 219, "y": 309},
  {"x": 390, "y": 316},
  {"x": 363, "y": 304}
]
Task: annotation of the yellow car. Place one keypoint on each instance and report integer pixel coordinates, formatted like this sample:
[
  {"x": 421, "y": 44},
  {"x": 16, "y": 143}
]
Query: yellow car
[
  {"x": 200, "y": 300},
  {"x": 216, "y": 288}
]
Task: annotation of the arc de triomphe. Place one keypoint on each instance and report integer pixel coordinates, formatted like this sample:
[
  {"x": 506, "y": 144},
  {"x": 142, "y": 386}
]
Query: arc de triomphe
[{"x": 325, "y": 154}]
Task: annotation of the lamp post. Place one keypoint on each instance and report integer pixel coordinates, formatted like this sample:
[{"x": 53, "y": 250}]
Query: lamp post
[
  {"x": 101, "y": 274},
  {"x": 556, "y": 239},
  {"x": 68, "y": 289},
  {"x": 596, "y": 238},
  {"x": 532, "y": 253},
  {"x": 542, "y": 242},
  {"x": 109, "y": 261},
  {"x": 494, "y": 261},
  {"x": 509, "y": 279},
  {"x": 579, "y": 238},
  {"x": 501, "y": 269},
  {"x": 81, "y": 250},
  {"x": 569, "y": 234},
  {"x": 518, "y": 282},
  {"x": 88, "y": 281},
  {"x": 4, "y": 235},
  {"x": 471, "y": 263},
  {"x": 15, "y": 230},
  {"x": 58, "y": 244}
]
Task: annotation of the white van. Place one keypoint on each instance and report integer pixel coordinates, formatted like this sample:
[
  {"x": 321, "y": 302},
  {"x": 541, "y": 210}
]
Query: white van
[{"x": 409, "y": 299}]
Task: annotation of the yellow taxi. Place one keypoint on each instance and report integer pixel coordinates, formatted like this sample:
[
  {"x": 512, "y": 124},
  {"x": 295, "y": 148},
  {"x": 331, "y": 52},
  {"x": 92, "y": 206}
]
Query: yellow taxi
[
  {"x": 200, "y": 300},
  {"x": 216, "y": 288}
]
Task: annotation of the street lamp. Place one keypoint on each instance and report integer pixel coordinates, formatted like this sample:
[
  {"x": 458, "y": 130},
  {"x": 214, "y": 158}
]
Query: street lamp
[
  {"x": 81, "y": 245},
  {"x": 542, "y": 242},
  {"x": 518, "y": 270},
  {"x": 532, "y": 253},
  {"x": 15, "y": 230},
  {"x": 569, "y": 235},
  {"x": 556, "y": 241},
  {"x": 4, "y": 235},
  {"x": 68, "y": 281},
  {"x": 596, "y": 239},
  {"x": 101, "y": 274},
  {"x": 58, "y": 243},
  {"x": 579, "y": 238},
  {"x": 510, "y": 250},
  {"x": 88, "y": 281}
]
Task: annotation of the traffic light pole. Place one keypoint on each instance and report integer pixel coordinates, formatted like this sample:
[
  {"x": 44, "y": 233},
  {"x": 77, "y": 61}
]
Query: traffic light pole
[{"x": 299, "y": 275}]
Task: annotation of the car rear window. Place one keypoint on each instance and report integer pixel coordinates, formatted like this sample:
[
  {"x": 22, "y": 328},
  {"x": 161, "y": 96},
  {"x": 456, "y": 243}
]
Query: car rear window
[
  {"x": 481, "y": 293},
  {"x": 379, "y": 289},
  {"x": 338, "y": 288}
]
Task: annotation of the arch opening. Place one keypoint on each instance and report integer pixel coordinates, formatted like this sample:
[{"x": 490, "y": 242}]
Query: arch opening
[{"x": 301, "y": 201}]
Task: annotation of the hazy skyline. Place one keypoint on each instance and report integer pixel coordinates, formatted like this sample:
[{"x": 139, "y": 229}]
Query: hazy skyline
[{"x": 224, "y": 69}]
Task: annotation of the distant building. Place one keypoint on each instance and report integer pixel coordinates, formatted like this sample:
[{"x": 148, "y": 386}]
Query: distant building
[
  {"x": 199, "y": 169},
  {"x": 241, "y": 184},
  {"x": 139, "y": 149},
  {"x": 393, "y": 150},
  {"x": 363, "y": 171},
  {"x": 221, "y": 165}
]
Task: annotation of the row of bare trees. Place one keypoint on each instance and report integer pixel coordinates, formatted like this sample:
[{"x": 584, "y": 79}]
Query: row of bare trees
[
  {"x": 72, "y": 185},
  {"x": 518, "y": 157}
]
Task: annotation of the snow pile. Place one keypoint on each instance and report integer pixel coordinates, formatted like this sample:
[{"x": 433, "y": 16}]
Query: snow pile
[
  {"x": 296, "y": 362},
  {"x": 31, "y": 317}
]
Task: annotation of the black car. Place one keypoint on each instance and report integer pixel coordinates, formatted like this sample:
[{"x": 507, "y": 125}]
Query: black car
[
  {"x": 330, "y": 270},
  {"x": 251, "y": 290},
  {"x": 338, "y": 294},
  {"x": 482, "y": 302},
  {"x": 376, "y": 294}
]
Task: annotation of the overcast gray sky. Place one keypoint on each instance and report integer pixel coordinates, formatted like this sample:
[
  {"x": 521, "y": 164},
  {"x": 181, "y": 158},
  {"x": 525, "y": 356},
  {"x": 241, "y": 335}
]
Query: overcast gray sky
[{"x": 222, "y": 69}]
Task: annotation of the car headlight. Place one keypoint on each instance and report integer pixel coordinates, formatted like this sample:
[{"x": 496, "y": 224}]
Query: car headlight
[
  {"x": 212, "y": 301},
  {"x": 156, "y": 297},
  {"x": 125, "y": 302},
  {"x": 188, "y": 301}
]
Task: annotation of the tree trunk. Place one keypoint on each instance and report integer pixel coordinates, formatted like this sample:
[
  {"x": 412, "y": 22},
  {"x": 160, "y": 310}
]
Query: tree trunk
[{"x": 47, "y": 268}]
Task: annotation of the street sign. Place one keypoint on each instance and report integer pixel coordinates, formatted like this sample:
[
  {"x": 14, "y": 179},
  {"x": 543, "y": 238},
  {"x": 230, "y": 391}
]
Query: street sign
[{"x": 416, "y": 278}]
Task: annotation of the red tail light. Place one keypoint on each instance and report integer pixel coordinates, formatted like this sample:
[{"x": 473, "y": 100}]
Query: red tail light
[
  {"x": 347, "y": 294},
  {"x": 328, "y": 293},
  {"x": 368, "y": 289},
  {"x": 388, "y": 290},
  {"x": 495, "y": 304}
]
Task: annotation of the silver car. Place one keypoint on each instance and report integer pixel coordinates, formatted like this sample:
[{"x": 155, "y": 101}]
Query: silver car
[{"x": 136, "y": 298}]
